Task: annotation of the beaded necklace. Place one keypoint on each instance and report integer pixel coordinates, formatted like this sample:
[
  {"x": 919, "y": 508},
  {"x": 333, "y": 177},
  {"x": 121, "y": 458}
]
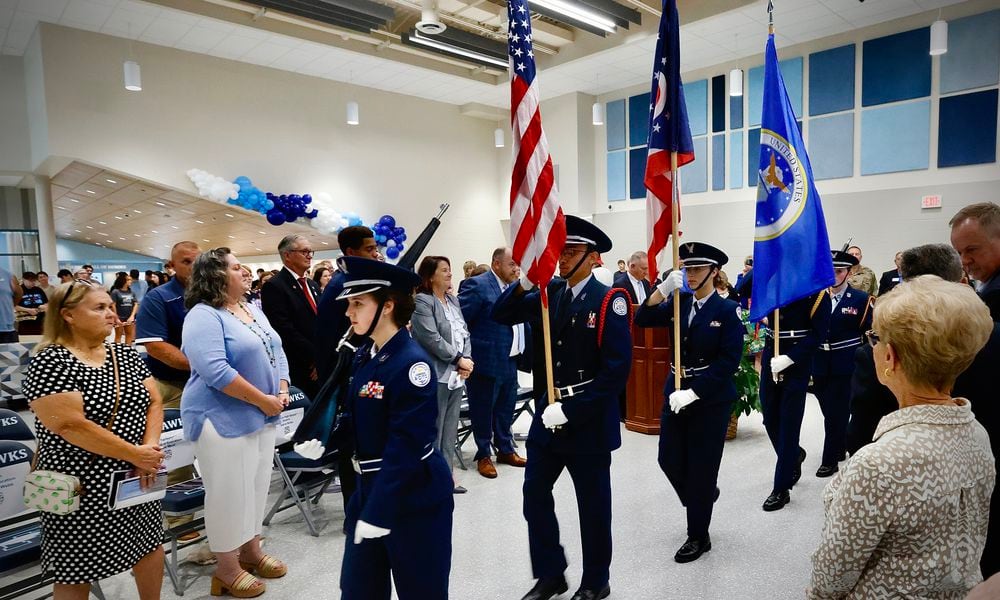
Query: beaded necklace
[{"x": 257, "y": 331}]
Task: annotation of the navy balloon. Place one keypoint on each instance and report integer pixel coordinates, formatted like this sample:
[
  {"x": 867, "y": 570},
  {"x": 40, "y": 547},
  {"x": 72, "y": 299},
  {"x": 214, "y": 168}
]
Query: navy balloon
[
  {"x": 275, "y": 217},
  {"x": 392, "y": 253}
]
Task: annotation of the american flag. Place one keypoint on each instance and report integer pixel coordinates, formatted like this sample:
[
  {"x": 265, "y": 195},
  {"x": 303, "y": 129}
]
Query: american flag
[
  {"x": 537, "y": 225},
  {"x": 668, "y": 132}
]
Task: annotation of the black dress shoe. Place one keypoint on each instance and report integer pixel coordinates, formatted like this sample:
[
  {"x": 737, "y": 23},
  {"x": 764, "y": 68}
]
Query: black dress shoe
[
  {"x": 692, "y": 549},
  {"x": 582, "y": 594},
  {"x": 776, "y": 501},
  {"x": 547, "y": 587},
  {"x": 716, "y": 494},
  {"x": 798, "y": 468},
  {"x": 826, "y": 470}
]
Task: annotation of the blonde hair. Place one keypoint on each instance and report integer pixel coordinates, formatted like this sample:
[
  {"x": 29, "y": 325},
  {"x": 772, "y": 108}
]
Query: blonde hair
[
  {"x": 936, "y": 327},
  {"x": 67, "y": 295}
]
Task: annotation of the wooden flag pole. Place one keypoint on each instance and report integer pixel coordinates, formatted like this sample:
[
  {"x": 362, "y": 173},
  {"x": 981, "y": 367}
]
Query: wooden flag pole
[
  {"x": 677, "y": 262},
  {"x": 777, "y": 346},
  {"x": 547, "y": 335}
]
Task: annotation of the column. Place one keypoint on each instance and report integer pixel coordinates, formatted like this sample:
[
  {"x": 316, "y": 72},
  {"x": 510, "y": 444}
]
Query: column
[{"x": 46, "y": 226}]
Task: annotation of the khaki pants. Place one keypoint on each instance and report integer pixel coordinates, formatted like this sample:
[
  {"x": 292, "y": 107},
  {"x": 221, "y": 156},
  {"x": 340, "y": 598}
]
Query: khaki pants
[{"x": 170, "y": 393}]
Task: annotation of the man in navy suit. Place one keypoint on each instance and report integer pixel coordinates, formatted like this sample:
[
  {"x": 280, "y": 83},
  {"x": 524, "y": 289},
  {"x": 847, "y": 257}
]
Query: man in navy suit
[
  {"x": 492, "y": 388},
  {"x": 635, "y": 280},
  {"x": 833, "y": 362},
  {"x": 890, "y": 279},
  {"x": 592, "y": 354}
]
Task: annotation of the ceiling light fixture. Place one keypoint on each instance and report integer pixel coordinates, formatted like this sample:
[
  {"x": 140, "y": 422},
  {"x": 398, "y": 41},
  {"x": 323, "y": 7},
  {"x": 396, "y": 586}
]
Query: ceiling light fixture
[
  {"x": 102, "y": 222},
  {"x": 88, "y": 226},
  {"x": 353, "y": 117},
  {"x": 498, "y": 137},
  {"x": 72, "y": 199},
  {"x": 91, "y": 192},
  {"x": 199, "y": 222},
  {"x": 159, "y": 204},
  {"x": 597, "y": 113},
  {"x": 230, "y": 216},
  {"x": 939, "y": 37},
  {"x": 138, "y": 212},
  {"x": 422, "y": 40},
  {"x": 119, "y": 218},
  {"x": 133, "y": 76},
  {"x": 736, "y": 82},
  {"x": 110, "y": 181},
  {"x": 579, "y": 13}
]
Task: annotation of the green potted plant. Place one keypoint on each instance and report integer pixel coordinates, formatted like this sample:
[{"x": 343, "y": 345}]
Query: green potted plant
[{"x": 747, "y": 378}]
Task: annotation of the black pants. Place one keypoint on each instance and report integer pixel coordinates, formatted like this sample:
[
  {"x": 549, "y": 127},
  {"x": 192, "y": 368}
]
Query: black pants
[
  {"x": 783, "y": 405},
  {"x": 9, "y": 337},
  {"x": 834, "y": 395},
  {"x": 591, "y": 474},
  {"x": 691, "y": 445}
]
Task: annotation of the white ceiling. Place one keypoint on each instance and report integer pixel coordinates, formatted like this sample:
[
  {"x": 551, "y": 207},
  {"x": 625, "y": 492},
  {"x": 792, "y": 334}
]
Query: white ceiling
[
  {"x": 720, "y": 38},
  {"x": 105, "y": 208}
]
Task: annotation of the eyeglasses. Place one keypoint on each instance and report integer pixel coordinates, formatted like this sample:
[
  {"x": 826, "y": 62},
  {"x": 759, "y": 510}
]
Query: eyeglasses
[
  {"x": 570, "y": 252},
  {"x": 872, "y": 337},
  {"x": 306, "y": 253}
]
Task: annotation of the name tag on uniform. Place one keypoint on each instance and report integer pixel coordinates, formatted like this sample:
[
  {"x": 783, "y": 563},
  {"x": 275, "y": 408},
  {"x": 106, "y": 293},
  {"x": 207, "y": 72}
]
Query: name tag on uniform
[
  {"x": 372, "y": 389},
  {"x": 715, "y": 324},
  {"x": 592, "y": 320},
  {"x": 848, "y": 310}
]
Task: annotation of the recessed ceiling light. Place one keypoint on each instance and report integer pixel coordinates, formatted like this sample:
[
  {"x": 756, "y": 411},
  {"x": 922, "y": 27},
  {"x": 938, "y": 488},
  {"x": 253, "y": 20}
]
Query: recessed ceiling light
[
  {"x": 88, "y": 226},
  {"x": 190, "y": 212},
  {"x": 110, "y": 180},
  {"x": 154, "y": 231},
  {"x": 175, "y": 227},
  {"x": 121, "y": 238},
  {"x": 104, "y": 234},
  {"x": 230, "y": 237},
  {"x": 204, "y": 240},
  {"x": 86, "y": 238},
  {"x": 199, "y": 222},
  {"x": 138, "y": 212},
  {"x": 61, "y": 207},
  {"x": 77, "y": 230},
  {"x": 152, "y": 248},
  {"x": 72, "y": 199},
  {"x": 91, "y": 192},
  {"x": 324, "y": 243},
  {"x": 102, "y": 222},
  {"x": 230, "y": 216},
  {"x": 166, "y": 245},
  {"x": 98, "y": 243},
  {"x": 261, "y": 232},
  {"x": 159, "y": 204},
  {"x": 119, "y": 218},
  {"x": 136, "y": 235}
]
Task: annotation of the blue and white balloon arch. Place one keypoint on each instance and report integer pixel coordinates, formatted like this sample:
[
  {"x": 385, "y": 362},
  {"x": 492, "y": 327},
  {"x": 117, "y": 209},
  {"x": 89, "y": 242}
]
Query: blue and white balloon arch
[{"x": 317, "y": 209}]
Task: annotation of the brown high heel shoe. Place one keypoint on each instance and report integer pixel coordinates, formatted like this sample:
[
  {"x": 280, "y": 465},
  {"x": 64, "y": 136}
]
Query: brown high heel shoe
[
  {"x": 267, "y": 567},
  {"x": 244, "y": 586}
]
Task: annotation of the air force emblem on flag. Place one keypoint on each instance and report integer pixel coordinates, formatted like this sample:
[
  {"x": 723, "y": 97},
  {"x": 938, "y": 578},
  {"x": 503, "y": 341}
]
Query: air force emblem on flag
[{"x": 782, "y": 186}]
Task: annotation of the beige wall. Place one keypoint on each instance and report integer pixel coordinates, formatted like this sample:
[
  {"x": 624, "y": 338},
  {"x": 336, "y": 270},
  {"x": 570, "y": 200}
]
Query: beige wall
[
  {"x": 285, "y": 131},
  {"x": 15, "y": 145}
]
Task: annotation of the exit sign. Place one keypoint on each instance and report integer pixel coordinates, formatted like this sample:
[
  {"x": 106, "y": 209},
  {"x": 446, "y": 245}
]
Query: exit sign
[{"x": 930, "y": 202}]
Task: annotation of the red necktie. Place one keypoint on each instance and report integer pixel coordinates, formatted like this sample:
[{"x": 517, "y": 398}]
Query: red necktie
[{"x": 305, "y": 290}]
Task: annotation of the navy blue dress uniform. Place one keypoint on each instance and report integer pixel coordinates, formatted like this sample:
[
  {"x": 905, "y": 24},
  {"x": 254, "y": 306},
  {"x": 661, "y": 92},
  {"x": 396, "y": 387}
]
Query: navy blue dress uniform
[
  {"x": 592, "y": 355},
  {"x": 404, "y": 485},
  {"x": 803, "y": 324},
  {"x": 833, "y": 363},
  {"x": 692, "y": 439}
]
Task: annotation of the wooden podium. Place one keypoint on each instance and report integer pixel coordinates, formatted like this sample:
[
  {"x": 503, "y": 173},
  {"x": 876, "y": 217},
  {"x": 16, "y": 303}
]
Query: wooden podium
[{"x": 651, "y": 358}]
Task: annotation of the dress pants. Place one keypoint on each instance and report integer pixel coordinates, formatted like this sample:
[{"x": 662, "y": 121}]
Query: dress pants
[
  {"x": 834, "y": 395},
  {"x": 783, "y": 405},
  {"x": 491, "y": 408},
  {"x": 591, "y": 474},
  {"x": 416, "y": 555},
  {"x": 691, "y": 445}
]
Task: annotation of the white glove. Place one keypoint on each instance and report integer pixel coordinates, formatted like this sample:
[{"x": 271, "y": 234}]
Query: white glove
[
  {"x": 681, "y": 398},
  {"x": 367, "y": 531},
  {"x": 526, "y": 284},
  {"x": 311, "y": 449},
  {"x": 554, "y": 416},
  {"x": 779, "y": 363},
  {"x": 674, "y": 281}
]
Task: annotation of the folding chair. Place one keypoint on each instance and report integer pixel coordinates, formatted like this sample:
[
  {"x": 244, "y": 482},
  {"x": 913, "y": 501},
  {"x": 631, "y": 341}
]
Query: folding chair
[
  {"x": 521, "y": 405},
  {"x": 20, "y": 529},
  {"x": 464, "y": 431},
  {"x": 304, "y": 480},
  {"x": 185, "y": 498}
]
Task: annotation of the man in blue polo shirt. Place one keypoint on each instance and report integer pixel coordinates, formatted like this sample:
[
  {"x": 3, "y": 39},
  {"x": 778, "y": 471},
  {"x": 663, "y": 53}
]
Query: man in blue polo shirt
[{"x": 10, "y": 294}]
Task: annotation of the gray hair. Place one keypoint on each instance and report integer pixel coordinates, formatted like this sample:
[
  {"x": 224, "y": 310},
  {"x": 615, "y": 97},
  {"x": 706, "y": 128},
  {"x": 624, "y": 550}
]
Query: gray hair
[
  {"x": 637, "y": 257},
  {"x": 286, "y": 242},
  {"x": 931, "y": 259},
  {"x": 209, "y": 280}
]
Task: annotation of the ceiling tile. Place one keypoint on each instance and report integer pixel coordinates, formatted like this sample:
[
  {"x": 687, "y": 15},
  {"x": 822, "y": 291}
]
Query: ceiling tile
[
  {"x": 85, "y": 11},
  {"x": 127, "y": 23},
  {"x": 48, "y": 10},
  {"x": 165, "y": 32}
]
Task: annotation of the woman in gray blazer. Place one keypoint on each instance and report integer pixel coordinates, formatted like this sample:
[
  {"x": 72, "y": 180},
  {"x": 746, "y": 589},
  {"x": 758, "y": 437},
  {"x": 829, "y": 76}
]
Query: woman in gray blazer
[{"x": 438, "y": 326}]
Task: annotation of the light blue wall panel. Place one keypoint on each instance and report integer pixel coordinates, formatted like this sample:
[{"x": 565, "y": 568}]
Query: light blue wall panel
[
  {"x": 694, "y": 175},
  {"x": 831, "y": 146},
  {"x": 616, "y": 175},
  {"x": 615, "y": 118},
  {"x": 973, "y": 57},
  {"x": 735, "y": 160},
  {"x": 895, "y": 138},
  {"x": 791, "y": 72},
  {"x": 719, "y": 161},
  {"x": 696, "y": 97},
  {"x": 831, "y": 80},
  {"x": 896, "y": 67},
  {"x": 638, "y": 120}
]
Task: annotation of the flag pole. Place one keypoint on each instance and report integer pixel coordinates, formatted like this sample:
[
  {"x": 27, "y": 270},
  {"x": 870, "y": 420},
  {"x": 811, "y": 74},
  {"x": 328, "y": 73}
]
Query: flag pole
[
  {"x": 547, "y": 336},
  {"x": 676, "y": 254},
  {"x": 777, "y": 311}
]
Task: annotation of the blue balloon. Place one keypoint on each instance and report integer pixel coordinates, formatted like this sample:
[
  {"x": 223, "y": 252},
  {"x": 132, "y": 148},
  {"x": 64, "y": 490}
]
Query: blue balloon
[
  {"x": 401, "y": 238},
  {"x": 392, "y": 253},
  {"x": 400, "y": 247},
  {"x": 275, "y": 217},
  {"x": 388, "y": 220},
  {"x": 307, "y": 198}
]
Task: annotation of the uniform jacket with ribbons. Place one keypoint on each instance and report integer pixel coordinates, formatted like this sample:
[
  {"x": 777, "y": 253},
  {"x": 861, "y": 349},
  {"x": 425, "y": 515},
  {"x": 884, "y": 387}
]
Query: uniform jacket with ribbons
[
  {"x": 579, "y": 354},
  {"x": 712, "y": 344},
  {"x": 811, "y": 317},
  {"x": 851, "y": 318},
  {"x": 392, "y": 398}
]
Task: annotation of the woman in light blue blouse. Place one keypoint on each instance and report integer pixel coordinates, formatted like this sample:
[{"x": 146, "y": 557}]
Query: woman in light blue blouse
[{"x": 238, "y": 386}]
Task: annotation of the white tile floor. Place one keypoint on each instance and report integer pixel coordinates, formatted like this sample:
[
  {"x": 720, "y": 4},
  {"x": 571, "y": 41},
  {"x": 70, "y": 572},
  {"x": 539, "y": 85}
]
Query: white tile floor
[{"x": 754, "y": 554}]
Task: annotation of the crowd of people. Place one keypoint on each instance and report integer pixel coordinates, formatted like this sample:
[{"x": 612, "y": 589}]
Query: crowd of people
[{"x": 901, "y": 382}]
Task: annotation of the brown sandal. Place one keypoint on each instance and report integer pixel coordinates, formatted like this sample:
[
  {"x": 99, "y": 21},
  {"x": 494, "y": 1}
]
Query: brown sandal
[
  {"x": 267, "y": 567},
  {"x": 244, "y": 586}
]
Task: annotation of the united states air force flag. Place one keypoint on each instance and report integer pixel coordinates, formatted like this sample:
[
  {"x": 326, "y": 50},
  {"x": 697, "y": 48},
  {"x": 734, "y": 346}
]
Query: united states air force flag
[{"x": 791, "y": 247}]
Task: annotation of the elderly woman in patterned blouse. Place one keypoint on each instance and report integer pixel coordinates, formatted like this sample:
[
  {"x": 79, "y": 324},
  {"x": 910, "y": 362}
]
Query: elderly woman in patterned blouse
[{"x": 907, "y": 516}]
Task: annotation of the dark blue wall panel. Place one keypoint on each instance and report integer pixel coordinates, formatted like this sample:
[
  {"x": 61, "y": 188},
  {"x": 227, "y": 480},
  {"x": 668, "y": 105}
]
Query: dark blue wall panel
[
  {"x": 638, "y": 120},
  {"x": 831, "y": 80},
  {"x": 636, "y": 173},
  {"x": 967, "y": 134},
  {"x": 753, "y": 156},
  {"x": 719, "y": 103},
  {"x": 896, "y": 67}
]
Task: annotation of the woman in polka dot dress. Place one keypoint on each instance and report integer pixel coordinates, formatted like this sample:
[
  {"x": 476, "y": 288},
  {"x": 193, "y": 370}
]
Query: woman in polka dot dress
[{"x": 71, "y": 386}]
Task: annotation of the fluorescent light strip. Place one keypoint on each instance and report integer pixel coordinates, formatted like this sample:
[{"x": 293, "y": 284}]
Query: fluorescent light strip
[
  {"x": 575, "y": 11},
  {"x": 423, "y": 41}
]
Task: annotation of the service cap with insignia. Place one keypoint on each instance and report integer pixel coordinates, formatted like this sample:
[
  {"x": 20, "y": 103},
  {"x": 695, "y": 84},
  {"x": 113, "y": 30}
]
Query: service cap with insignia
[
  {"x": 699, "y": 254},
  {"x": 579, "y": 231},
  {"x": 363, "y": 276},
  {"x": 843, "y": 260}
]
